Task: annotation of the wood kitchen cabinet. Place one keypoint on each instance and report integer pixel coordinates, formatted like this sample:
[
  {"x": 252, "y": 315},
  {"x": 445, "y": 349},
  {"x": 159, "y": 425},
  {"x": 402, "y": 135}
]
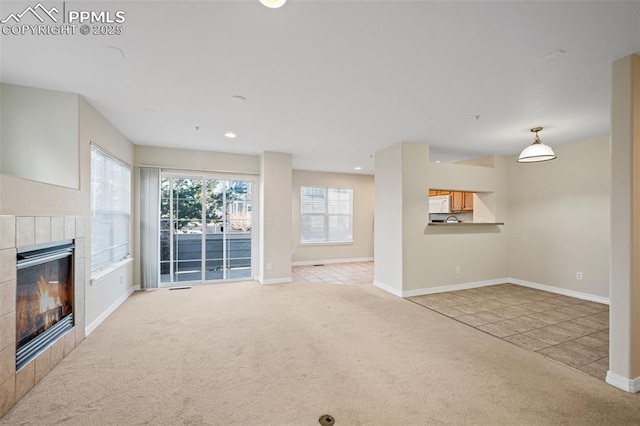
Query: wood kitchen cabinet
[
  {"x": 457, "y": 201},
  {"x": 434, "y": 192},
  {"x": 468, "y": 201},
  {"x": 461, "y": 201}
]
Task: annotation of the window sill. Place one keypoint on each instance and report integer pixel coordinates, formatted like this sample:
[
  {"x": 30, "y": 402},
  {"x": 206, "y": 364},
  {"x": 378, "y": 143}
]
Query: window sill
[
  {"x": 102, "y": 273},
  {"x": 326, "y": 243}
]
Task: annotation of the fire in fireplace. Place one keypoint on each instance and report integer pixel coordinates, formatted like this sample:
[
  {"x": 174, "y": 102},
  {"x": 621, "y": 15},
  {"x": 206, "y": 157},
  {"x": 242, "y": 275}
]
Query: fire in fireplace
[{"x": 44, "y": 309}]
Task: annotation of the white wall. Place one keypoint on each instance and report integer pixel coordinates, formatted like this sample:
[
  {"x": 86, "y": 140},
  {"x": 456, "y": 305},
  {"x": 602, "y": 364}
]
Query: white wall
[
  {"x": 39, "y": 135},
  {"x": 363, "y": 205},
  {"x": 559, "y": 218}
]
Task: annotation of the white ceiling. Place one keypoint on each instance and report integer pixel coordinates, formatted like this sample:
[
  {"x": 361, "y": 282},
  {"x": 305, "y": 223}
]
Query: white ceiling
[{"x": 332, "y": 82}]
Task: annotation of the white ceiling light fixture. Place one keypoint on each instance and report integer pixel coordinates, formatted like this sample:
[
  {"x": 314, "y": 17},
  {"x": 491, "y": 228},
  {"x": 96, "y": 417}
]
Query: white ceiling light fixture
[
  {"x": 537, "y": 151},
  {"x": 230, "y": 135},
  {"x": 273, "y": 4}
]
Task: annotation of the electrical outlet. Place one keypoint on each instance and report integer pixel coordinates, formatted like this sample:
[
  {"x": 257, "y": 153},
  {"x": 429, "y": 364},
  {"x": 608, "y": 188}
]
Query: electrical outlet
[
  {"x": 579, "y": 276},
  {"x": 269, "y": 266},
  {"x": 457, "y": 269}
]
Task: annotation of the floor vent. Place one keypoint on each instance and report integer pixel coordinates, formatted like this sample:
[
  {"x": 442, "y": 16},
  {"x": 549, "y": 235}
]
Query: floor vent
[
  {"x": 180, "y": 287},
  {"x": 326, "y": 420}
]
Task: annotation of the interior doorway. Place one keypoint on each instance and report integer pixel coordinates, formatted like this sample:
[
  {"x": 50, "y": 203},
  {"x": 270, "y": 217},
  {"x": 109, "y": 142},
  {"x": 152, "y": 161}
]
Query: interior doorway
[{"x": 205, "y": 229}]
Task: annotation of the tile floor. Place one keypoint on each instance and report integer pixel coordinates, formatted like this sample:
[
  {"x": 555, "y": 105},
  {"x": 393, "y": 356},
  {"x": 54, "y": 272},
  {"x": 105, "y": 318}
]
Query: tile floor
[
  {"x": 336, "y": 273},
  {"x": 571, "y": 331}
]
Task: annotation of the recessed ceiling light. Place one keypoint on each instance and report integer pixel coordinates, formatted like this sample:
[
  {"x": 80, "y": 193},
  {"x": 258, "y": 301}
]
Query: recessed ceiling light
[
  {"x": 230, "y": 135},
  {"x": 357, "y": 168},
  {"x": 237, "y": 99},
  {"x": 437, "y": 161},
  {"x": 273, "y": 4}
]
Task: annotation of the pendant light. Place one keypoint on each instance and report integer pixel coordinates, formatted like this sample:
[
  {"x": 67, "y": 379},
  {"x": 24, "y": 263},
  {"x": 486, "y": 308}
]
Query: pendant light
[
  {"x": 537, "y": 151},
  {"x": 273, "y": 4}
]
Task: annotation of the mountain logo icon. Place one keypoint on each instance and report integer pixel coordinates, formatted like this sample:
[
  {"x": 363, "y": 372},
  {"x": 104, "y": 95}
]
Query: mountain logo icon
[{"x": 39, "y": 11}]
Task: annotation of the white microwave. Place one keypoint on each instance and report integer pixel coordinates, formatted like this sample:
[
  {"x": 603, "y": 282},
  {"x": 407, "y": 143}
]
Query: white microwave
[{"x": 440, "y": 204}]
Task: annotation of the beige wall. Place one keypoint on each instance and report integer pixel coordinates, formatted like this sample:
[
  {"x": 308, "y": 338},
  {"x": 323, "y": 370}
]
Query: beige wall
[
  {"x": 275, "y": 218},
  {"x": 39, "y": 135},
  {"x": 433, "y": 254},
  {"x": 412, "y": 257},
  {"x": 388, "y": 222},
  {"x": 57, "y": 212},
  {"x": 94, "y": 128},
  {"x": 21, "y": 197},
  {"x": 363, "y": 191},
  {"x": 624, "y": 360},
  {"x": 184, "y": 159},
  {"x": 556, "y": 217},
  {"x": 559, "y": 218}
]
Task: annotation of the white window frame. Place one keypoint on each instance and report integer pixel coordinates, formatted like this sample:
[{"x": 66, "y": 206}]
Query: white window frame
[
  {"x": 110, "y": 211},
  {"x": 326, "y": 215}
]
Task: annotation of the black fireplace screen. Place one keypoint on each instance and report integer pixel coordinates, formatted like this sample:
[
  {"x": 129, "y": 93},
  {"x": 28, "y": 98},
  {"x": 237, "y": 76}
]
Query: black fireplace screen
[{"x": 44, "y": 293}]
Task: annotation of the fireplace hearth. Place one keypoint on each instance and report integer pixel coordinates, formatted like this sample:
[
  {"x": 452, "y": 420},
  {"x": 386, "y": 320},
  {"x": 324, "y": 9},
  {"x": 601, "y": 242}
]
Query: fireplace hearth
[{"x": 44, "y": 298}]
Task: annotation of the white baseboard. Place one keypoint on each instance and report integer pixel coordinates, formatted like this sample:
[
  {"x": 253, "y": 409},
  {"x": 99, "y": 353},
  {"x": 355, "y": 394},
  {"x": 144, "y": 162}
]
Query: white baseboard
[
  {"x": 275, "y": 281},
  {"x": 476, "y": 284},
  {"x": 627, "y": 385},
  {"x": 103, "y": 316},
  {"x": 557, "y": 290},
  {"x": 387, "y": 288},
  {"x": 329, "y": 261},
  {"x": 452, "y": 287}
]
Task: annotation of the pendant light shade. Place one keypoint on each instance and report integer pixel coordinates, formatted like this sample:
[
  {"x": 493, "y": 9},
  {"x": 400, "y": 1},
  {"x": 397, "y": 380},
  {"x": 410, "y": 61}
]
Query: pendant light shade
[
  {"x": 273, "y": 4},
  {"x": 537, "y": 151}
]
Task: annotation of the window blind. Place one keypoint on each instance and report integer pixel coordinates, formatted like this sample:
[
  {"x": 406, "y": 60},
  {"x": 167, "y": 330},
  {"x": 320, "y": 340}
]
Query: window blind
[{"x": 110, "y": 209}]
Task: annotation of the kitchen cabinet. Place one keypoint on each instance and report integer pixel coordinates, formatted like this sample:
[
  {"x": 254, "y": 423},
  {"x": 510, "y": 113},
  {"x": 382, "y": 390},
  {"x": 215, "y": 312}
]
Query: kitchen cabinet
[
  {"x": 468, "y": 201},
  {"x": 461, "y": 201},
  {"x": 457, "y": 201}
]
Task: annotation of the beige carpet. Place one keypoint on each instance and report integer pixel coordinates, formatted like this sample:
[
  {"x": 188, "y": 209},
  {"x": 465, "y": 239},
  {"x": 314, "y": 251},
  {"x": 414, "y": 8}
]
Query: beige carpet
[{"x": 286, "y": 354}]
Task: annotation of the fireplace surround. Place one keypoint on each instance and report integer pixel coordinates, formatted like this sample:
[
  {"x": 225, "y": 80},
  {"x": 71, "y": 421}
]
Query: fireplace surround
[{"x": 37, "y": 231}]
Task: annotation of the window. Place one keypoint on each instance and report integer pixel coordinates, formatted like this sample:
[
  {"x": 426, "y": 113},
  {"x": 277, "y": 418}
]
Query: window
[
  {"x": 327, "y": 215},
  {"x": 110, "y": 209}
]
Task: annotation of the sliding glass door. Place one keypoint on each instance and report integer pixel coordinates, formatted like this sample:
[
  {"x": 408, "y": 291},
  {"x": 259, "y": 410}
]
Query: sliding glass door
[{"x": 205, "y": 229}]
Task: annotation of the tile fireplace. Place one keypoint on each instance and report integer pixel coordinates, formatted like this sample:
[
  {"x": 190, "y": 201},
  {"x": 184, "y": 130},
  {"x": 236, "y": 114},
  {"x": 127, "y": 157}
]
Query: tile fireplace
[{"x": 48, "y": 253}]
